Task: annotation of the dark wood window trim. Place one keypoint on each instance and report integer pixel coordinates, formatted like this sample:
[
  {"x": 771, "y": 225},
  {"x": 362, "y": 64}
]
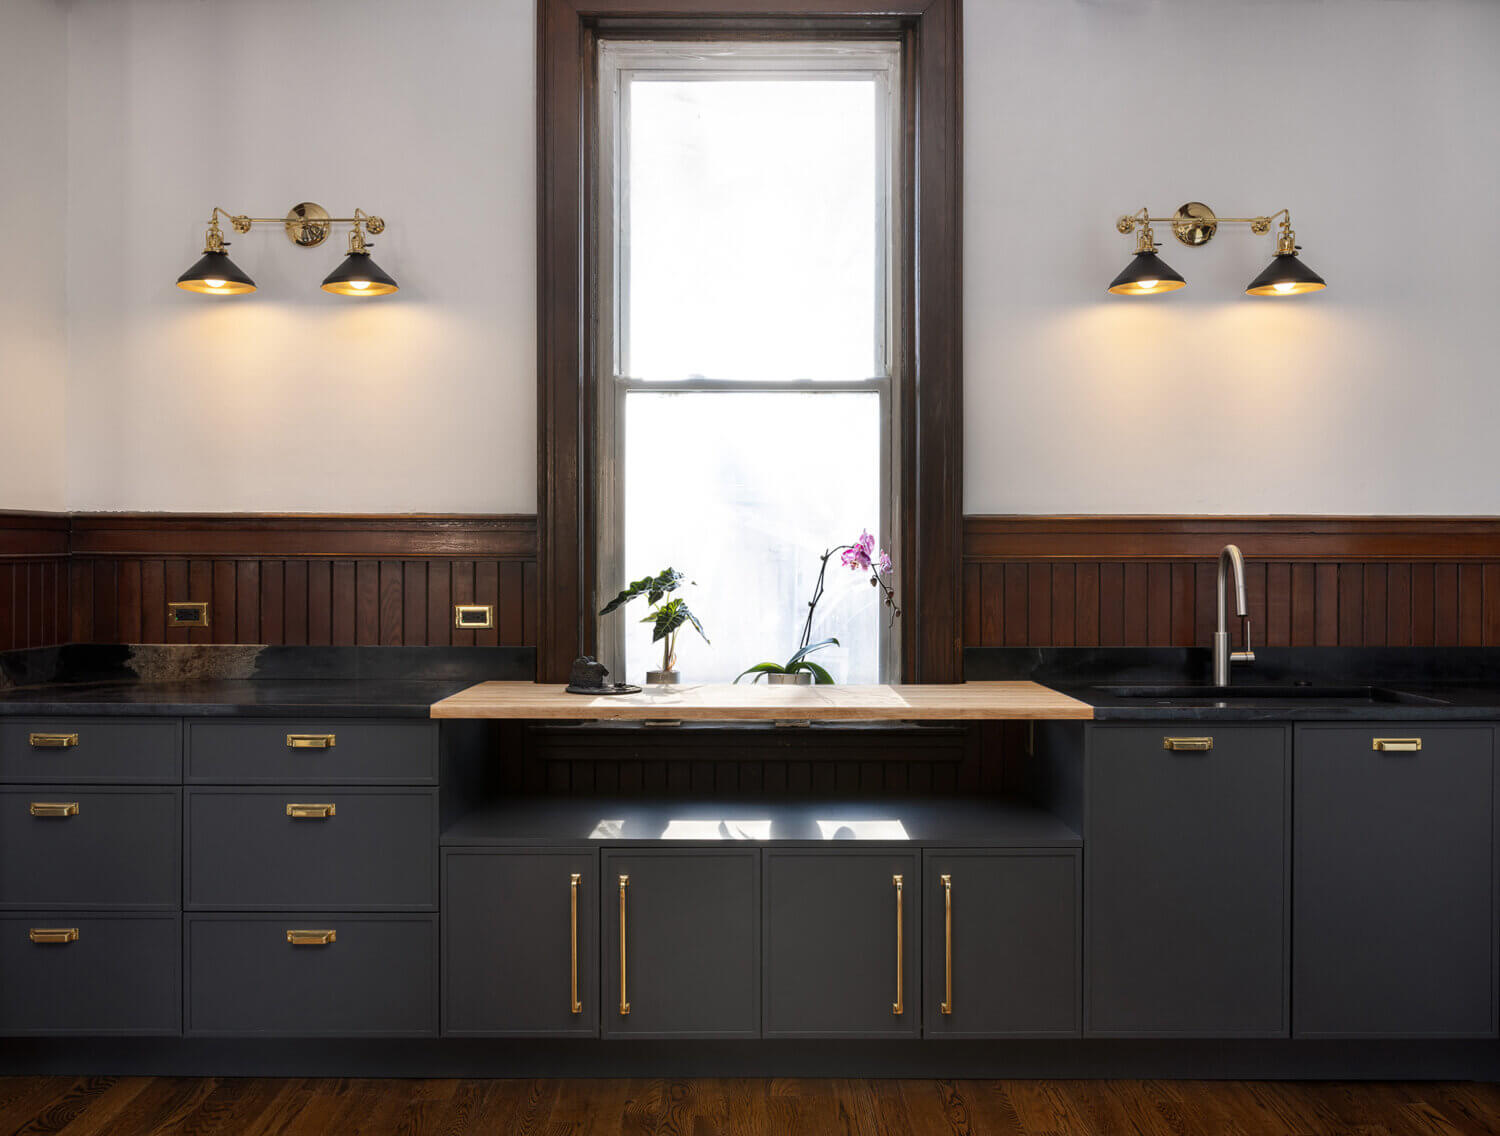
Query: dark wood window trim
[{"x": 931, "y": 489}]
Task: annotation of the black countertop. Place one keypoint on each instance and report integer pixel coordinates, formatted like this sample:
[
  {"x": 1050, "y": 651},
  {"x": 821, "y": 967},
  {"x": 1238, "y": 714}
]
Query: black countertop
[{"x": 332, "y": 698}]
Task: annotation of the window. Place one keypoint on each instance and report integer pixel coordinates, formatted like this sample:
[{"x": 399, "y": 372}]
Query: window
[{"x": 747, "y": 268}]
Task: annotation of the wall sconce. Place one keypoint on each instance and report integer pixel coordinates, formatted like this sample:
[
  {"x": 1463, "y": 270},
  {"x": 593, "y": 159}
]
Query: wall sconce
[
  {"x": 1194, "y": 224},
  {"x": 306, "y": 226}
]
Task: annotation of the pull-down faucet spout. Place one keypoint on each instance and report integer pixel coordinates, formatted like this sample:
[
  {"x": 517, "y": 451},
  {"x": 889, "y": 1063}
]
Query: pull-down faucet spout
[{"x": 1231, "y": 560}]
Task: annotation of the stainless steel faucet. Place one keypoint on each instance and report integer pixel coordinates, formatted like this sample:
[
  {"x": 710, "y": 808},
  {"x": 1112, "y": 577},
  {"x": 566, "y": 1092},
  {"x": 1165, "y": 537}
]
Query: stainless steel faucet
[{"x": 1230, "y": 558}]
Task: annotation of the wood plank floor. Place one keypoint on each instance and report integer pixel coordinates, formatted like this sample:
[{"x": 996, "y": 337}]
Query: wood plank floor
[{"x": 125, "y": 1106}]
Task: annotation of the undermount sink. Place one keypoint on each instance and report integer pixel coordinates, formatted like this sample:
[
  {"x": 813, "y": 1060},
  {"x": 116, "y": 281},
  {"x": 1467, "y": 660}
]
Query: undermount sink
[{"x": 1262, "y": 692}]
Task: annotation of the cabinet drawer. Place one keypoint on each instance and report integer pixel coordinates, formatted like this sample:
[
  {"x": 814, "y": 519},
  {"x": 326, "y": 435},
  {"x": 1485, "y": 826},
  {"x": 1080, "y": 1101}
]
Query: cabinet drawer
[
  {"x": 322, "y": 751},
  {"x": 109, "y": 848},
  {"x": 377, "y": 851},
  {"x": 377, "y": 977},
  {"x": 110, "y": 974},
  {"x": 137, "y": 751}
]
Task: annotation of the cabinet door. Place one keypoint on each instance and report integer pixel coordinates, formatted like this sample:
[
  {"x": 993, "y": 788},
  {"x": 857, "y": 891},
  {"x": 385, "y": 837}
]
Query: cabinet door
[
  {"x": 681, "y": 943},
  {"x": 1186, "y": 873},
  {"x": 1394, "y": 919},
  {"x": 843, "y": 940},
  {"x": 1001, "y": 943},
  {"x": 520, "y": 943}
]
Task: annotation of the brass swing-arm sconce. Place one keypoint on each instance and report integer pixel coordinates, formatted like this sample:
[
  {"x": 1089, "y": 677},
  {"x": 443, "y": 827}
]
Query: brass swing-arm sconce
[
  {"x": 1195, "y": 224},
  {"x": 307, "y": 226}
]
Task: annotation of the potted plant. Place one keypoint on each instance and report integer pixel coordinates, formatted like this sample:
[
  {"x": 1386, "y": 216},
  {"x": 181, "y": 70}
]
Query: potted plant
[
  {"x": 799, "y": 669},
  {"x": 667, "y": 615}
]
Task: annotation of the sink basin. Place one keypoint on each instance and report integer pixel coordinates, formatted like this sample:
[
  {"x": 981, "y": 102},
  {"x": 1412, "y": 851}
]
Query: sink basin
[{"x": 1252, "y": 692}]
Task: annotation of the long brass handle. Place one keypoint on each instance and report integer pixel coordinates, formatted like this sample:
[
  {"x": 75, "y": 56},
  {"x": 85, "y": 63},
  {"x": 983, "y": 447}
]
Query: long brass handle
[
  {"x": 53, "y": 934},
  {"x": 573, "y": 940},
  {"x": 1396, "y": 745},
  {"x": 54, "y": 808},
  {"x": 899, "y": 1005},
  {"x": 310, "y": 811},
  {"x": 624, "y": 1001},
  {"x": 53, "y": 741},
  {"x": 1188, "y": 745},
  {"x": 947, "y": 1006},
  {"x": 311, "y": 741},
  {"x": 306, "y": 938}
]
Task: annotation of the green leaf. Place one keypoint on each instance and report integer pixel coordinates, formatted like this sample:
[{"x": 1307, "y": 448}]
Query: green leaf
[
  {"x": 810, "y": 648},
  {"x": 636, "y": 588},
  {"x": 669, "y": 617},
  {"x": 820, "y": 676},
  {"x": 759, "y": 669},
  {"x": 694, "y": 620}
]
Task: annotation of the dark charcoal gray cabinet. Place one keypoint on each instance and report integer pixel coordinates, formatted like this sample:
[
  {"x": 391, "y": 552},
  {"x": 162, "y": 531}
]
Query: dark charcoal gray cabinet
[
  {"x": 1001, "y": 943},
  {"x": 1393, "y": 928},
  {"x": 1186, "y": 853},
  {"x": 681, "y": 931},
  {"x": 521, "y": 942},
  {"x": 843, "y": 943}
]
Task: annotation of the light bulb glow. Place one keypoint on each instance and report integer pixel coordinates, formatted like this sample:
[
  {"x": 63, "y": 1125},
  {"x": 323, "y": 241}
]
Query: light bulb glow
[
  {"x": 361, "y": 285},
  {"x": 216, "y": 283},
  {"x": 1285, "y": 286},
  {"x": 1146, "y": 285}
]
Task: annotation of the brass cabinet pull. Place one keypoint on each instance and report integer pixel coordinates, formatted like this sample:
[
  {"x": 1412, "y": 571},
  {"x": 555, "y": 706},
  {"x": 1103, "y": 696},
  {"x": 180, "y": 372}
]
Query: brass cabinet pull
[
  {"x": 1396, "y": 745},
  {"x": 624, "y": 1001},
  {"x": 53, "y": 934},
  {"x": 899, "y": 1005},
  {"x": 312, "y": 938},
  {"x": 1188, "y": 745},
  {"x": 311, "y": 741},
  {"x": 310, "y": 811},
  {"x": 54, "y": 808},
  {"x": 577, "y": 1006},
  {"x": 53, "y": 741},
  {"x": 947, "y": 1006}
]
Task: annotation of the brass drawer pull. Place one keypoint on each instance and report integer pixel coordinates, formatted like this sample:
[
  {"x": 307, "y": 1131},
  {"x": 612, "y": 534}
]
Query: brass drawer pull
[
  {"x": 53, "y": 741},
  {"x": 573, "y": 880},
  {"x": 899, "y": 1005},
  {"x": 311, "y": 741},
  {"x": 624, "y": 1001},
  {"x": 54, "y": 808},
  {"x": 311, "y": 938},
  {"x": 1396, "y": 745},
  {"x": 947, "y": 1006},
  {"x": 310, "y": 811},
  {"x": 53, "y": 934},
  {"x": 1188, "y": 745}
]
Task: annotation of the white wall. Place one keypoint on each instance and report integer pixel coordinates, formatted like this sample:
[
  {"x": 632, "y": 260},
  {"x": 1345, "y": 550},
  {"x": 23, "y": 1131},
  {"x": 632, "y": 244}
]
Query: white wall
[
  {"x": 292, "y": 399},
  {"x": 33, "y": 221},
  {"x": 1377, "y": 122},
  {"x": 1374, "y": 120}
]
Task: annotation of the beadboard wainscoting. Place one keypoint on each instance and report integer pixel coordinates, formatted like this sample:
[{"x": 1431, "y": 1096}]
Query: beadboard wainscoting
[{"x": 33, "y": 580}]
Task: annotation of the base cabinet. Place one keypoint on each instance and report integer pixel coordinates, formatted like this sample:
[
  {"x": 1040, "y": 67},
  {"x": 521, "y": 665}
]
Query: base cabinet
[
  {"x": 1001, "y": 944},
  {"x": 843, "y": 944},
  {"x": 681, "y": 943},
  {"x": 1186, "y": 848},
  {"x": 521, "y": 943},
  {"x": 1393, "y": 929}
]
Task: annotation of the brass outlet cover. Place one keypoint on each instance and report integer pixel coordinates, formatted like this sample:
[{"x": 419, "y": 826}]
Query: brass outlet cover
[
  {"x": 473, "y": 617},
  {"x": 187, "y": 615},
  {"x": 1194, "y": 223},
  {"x": 307, "y": 225}
]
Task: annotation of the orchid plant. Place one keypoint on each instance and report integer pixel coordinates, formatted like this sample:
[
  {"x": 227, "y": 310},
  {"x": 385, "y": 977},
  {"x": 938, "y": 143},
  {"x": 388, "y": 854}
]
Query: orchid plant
[
  {"x": 861, "y": 556},
  {"x": 667, "y": 617}
]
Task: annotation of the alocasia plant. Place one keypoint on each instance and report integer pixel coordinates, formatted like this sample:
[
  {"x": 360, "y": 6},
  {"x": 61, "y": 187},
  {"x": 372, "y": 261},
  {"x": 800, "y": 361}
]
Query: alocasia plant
[{"x": 667, "y": 617}]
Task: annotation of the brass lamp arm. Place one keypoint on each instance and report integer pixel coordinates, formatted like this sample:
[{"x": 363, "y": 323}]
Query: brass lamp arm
[{"x": 306, "y": 225}]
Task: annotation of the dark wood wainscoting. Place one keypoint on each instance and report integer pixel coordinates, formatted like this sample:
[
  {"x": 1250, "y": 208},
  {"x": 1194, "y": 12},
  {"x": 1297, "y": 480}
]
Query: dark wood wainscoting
[
  {"x": 1313, "y": 581},
  {"x": 33, "y": 580},
  {"x": 293, "y": 579}
]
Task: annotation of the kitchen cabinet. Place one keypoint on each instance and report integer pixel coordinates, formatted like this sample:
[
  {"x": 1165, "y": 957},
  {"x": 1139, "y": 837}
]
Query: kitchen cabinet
[
  {"x": 1186, "y": 852},
  {"x": 1394, "y": 926}
]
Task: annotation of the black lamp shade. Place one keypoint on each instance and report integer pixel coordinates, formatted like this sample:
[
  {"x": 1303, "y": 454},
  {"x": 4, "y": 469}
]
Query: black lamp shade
[
  {"x": 1286, "y": 275},
  {"x": 359, "y": 275},
  {"x": 1146, "y": 275},
  {"x": 216, "y": 275}
]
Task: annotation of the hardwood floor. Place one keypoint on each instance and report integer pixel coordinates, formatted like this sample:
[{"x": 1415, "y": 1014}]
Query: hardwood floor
[{"x": 122, "y": 1106}]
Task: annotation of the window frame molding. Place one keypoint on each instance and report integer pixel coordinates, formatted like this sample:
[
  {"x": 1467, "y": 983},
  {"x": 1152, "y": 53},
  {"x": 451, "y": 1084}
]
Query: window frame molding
[{"x": 928, "y": 408}]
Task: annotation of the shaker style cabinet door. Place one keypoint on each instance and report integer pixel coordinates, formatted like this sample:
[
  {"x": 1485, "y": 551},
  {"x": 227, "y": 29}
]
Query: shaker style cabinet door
[
  {"x": 1002, "y": 942},
  {"x": 843, "y": 940},
  {"x": 1393, "y": 930},
  {"x": 1185, "y": 879},
  {"x": 681, "y": 943},
  {"x": 520, "y": 943}
]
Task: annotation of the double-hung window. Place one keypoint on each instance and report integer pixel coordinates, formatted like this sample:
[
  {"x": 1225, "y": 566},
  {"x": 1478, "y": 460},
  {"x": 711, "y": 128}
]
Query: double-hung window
[{"x": 748, "y": 361}]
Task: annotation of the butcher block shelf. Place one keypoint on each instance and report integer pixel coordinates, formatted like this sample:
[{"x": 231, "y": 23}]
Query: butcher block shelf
[{"x": 967, "y": 701}]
